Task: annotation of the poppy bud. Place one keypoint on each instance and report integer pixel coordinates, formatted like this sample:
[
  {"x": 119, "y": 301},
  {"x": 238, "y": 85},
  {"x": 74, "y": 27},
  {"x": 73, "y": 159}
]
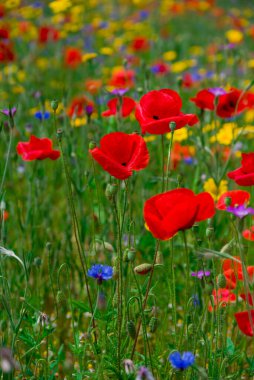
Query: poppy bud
[
  {"x": 143, "y": 268},
  {"x": 54, "y": 105},
  {"x": 209, "y": 232},
  {"x": 59, "y": 134},
  {"x": 153, "y": 324},
  {"x": 221, "y": 281},
  {"x": 110, "y": 191},
  {"x": 92, "y": 145},
  {"x": 228, "y": 201},
  {"x": 131, "y": 329},
  {"x": 60, "y": 298},
  {"x": 172, "y": 126},
  {"x": 129, "y": 255}
]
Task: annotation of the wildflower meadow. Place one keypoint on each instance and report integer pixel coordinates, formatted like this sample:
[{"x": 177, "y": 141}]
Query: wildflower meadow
[{"x": 126, "y": 189}]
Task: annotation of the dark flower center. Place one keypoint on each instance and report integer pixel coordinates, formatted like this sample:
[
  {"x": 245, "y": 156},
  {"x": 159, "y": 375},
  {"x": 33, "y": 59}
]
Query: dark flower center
[
  {"x": 156, "y": 117},
  {"x": 124, "y": 164}
]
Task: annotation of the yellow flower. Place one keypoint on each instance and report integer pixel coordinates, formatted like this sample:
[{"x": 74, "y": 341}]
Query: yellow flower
[
  {"x": 78, "y": 122},
  {"x": 58, "y": 6},
  {"x": 179, "y": 66},
  {"x": 150, "y": 138},
  {"x": 169, "y": 55},
  {"x": 196, "y": 50},
  {"x": 215, "y": 191},
  {"x": 179, "y": 134},
  {"x": 250, "y": 63},
  {"x": 11, "y": 3},
  {"x": 88, "y": 56},
  {"x": 234, "y": 36},
  {"x": 225, "y": 135},
  {"x": 106, "y": 50}
]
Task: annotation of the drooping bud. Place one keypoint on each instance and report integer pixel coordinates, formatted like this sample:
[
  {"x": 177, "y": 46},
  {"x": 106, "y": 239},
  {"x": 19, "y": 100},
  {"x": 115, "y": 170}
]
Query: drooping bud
[
  {"x": 131, "y": 329},
  {"x": 143, "y": 268},
  {"x": 153, "y": 324}
]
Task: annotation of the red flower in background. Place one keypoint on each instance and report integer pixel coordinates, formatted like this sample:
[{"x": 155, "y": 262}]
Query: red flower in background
[
  {"x": 221, "y": 298},
  {"x": 157, "y": 109},
  {"x": 78, "y": 106},
  {"x": 204, "y": 100},
  {"x": 181, "y": 152},
  {"x": 244, "y": 176},
  {"x": 249, "y": 234},
  {"x": 124, "y": 106},
  {"x": 6, "y": 52},
  {"x": 47, "y": 34},
  {"x": 176, "y": 210},
  {"x": 120, "y": 154},
  {"x": 4, "y": 33},
  {"x": 37, "y": 149},
  {"x": 93, "y": 85},
  {"x": 233, "y": 272},
  {"x": 233, "y": 103},
  {"x": 250, "y": 299},
  {"x": 244, "y": 323},
  {"x": 140, "y": 44},
  {"x": 237, "y": 198},
  {"x": 122, "y": 78},
  {"x": 72, "y": 57}
]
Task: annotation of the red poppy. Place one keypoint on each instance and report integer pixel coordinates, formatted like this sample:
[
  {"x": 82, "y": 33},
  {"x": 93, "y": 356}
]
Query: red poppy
[
  {"x": 124, "y": 106},
  {"x": 72, "y": 57},
  {"x": 37, "y": 149},
  {"x": 119, "y": 154},
  {"x": 221, "y": 298},
  {"x": 4, "y": 33},
  {"x": 249, "y": 234},
  {"x": 157, "y": 109},
  {"x": 93, "y": 85},
  {"x": 233, "y": 272},
  {"x": 140, "y": 44},
  {"x": 187, "y": 80},
  {"x": 250, "y": 298},
  {"x": 244, "y": 323},
  {"x": 237, "y": 198},
  {"x": 47, "y": 33},
  {"x": 244, "y": 176},
  {"x": 122, "y": 78},
  {"x": 6, "y": 52},
  {"x": 233, "y": 103},
  {"x": 176, "y": 210},
  {"x": 78, "y": 106},
  {"x": 204, "y": 100}
]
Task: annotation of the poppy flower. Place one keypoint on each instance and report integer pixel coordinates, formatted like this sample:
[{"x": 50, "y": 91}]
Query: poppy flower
[
  {"x": 78, "y": 106},
  {"x": 122, "y": 78},
  {"x": 157, "y": 109},
  {"x": 237, "y": 198},
  {"x": 205, "y": 100},
  {"x": 37, "y": 149},
  {"x": 250, "y": 298},
  {"x": 249, "y": 234},
  {"x": 140, "y": 44},
  {"x": 176, "y": 210},
  {"x": 233, "y": 272},
  {"x": 6, "y": 52},
  {"x": 244, "y": 176},
  {"x": 221, "y": 298},
  {"x": 72, "y": 57},
  {"x": 120, "y": 154},
  {"x": 47, "y": 34},
  {"x": 244, "y": 323},
  {"x": 124, "y": 106},
  {"x": 233, "y": 103},
  {"x": 93, "y": 85},
  {"x": 4, "y": 33}
]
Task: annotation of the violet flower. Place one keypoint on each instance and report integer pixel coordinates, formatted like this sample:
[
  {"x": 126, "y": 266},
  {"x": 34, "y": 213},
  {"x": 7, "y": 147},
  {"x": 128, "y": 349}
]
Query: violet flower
[
  {"x": 240, "y": 211},
  {"x": 201, "y": 273}
]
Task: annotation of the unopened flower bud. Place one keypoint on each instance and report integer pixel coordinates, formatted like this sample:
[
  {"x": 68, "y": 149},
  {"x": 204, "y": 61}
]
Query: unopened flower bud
[
  {"x": 92, "y": 145},
  {"x": 172, "y": 126},
  {"x": 221, "y": 281},
  {"x": 131, "y": 329},
  {"x": 143, "y": 268},
  {"x": 60, "y": 298},
  {"x": 54, "y": 105},
  {"x": 153, "y": 324},
  {"x": 110, "y": 191}
]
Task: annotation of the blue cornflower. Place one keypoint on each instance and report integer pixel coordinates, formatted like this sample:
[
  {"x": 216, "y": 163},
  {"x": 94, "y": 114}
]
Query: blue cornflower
[
  {"x": 42, "y": 115},
  {"x": 100, "y": 272},
  {"x": 183, "y": 361}
]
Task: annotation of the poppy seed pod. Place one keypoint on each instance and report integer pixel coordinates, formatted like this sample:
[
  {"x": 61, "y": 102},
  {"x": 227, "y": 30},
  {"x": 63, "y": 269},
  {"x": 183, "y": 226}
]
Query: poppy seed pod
[
  {"x": 131, "y": 329},
  {"x": 153, "y": 324},
  {"x": 60, "y": 298},
  {"x": 143, "y": 268},
  {"x": 221, "y": 281}
]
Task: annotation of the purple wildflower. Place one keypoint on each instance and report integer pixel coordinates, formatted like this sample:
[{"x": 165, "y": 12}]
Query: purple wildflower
[
  {"x": 240, "y": 211},
  {"x": 144, "y": 374},
  {"x": 119, "y": 91},
  {"x": 100, "y": 272},
  {"x": 201, "y": 273},
  {"x": 217, "y": 91},
  {"x": 10, "y": 112}
]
